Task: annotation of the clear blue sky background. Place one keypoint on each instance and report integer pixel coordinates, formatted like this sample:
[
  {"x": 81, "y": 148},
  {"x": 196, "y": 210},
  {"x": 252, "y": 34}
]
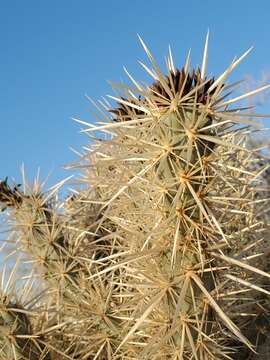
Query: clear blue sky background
[{"x": 55, "y": 51}]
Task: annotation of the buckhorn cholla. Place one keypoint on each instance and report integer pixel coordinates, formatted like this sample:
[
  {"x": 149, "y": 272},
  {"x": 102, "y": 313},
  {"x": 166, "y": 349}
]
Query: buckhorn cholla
[{"x": 161, "y": 253}]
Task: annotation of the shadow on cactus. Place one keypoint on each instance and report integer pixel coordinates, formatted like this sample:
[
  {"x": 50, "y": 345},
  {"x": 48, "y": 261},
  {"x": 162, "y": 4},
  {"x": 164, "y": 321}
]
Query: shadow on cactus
[{"x": 162, "y": 252}]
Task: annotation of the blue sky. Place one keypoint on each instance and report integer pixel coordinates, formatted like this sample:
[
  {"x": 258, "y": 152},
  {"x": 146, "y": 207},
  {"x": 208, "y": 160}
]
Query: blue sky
[{"x": 55, "y": 52}]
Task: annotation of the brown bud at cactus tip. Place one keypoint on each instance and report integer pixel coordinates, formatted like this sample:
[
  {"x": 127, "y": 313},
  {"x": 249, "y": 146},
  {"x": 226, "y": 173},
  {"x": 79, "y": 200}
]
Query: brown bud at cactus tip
[{"x": 9, "y": 197}]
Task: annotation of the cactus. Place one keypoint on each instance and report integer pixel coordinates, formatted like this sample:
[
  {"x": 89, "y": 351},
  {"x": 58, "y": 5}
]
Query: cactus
[{"x": 161, "y": 251}]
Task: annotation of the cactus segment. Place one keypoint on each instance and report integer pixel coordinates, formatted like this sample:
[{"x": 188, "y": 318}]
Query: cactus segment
[{"x": 178, "y": 179}]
